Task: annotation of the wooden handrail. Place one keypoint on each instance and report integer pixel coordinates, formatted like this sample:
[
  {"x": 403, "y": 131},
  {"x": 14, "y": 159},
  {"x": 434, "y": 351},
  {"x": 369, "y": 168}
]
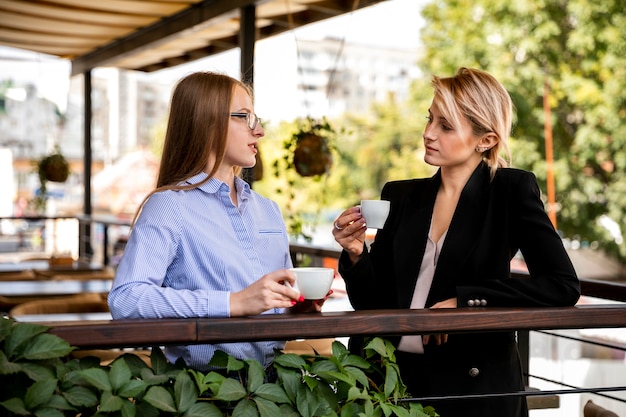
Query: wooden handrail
[{"x": 128, "y": 333}]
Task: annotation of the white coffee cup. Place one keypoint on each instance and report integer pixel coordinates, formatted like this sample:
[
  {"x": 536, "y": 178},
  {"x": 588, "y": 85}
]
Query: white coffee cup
[
  {"x": 313, "y": 283},
  {"x": 375, "y": 212}
]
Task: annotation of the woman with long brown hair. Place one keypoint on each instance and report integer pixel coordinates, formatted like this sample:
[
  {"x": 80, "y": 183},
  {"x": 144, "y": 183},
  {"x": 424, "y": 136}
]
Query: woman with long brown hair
[{"x": 203, "y": 243}]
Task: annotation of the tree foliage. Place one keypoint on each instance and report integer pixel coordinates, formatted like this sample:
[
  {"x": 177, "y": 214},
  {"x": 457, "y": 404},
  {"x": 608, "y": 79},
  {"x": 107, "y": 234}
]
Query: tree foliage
[{"x": 578, "y": 49}]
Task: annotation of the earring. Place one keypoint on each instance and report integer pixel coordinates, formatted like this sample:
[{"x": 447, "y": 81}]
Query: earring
[{"x": 480, "y": 149}]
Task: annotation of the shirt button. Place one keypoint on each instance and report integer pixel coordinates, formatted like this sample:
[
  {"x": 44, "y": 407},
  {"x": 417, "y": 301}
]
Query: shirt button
[{"x": 473, "y": 372}]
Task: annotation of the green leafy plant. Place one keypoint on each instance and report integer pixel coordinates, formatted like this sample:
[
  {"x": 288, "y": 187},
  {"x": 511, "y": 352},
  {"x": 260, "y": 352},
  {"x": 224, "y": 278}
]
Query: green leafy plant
[
  {"x": 309, "y": 147},
  {"x": 308, "y": 158},
  {"x": 40, "y": 378}
]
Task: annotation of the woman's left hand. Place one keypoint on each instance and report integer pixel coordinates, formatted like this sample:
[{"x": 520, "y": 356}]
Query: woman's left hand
[
  {"x": 309, "y": 306},
  {"x": 440, "y": 337}
]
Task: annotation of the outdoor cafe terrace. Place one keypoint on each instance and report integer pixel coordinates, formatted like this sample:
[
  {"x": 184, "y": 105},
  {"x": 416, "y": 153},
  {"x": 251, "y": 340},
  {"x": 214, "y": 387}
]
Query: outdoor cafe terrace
[{"x": 562, "y": 348}]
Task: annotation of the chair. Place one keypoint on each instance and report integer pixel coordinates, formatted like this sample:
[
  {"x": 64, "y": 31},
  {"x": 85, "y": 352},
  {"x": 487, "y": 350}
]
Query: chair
[
  {"x": 592, "y": 409},
  {"x": 17, "y": 276},
  {"x": 81, "y": 303},
  {"x": 7, "y": 303},
  {"x": 78, "y": 274},
  {"x": 309, "y": 346}
]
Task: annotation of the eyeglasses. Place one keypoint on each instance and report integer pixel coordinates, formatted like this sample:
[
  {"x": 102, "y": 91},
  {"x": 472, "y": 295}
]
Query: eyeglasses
[{"x": 251, "y": 119}]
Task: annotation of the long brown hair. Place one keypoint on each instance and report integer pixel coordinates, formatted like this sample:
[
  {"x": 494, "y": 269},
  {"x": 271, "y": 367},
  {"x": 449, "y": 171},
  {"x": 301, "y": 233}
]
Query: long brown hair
[{"x": 197, "y": 129}]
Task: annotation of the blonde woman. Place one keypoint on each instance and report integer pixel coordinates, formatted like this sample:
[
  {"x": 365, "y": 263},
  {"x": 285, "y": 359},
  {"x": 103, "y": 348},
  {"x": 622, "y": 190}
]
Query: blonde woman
[{"x": 448, "y": 243}]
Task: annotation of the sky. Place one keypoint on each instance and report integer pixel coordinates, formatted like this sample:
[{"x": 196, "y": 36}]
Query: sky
[{"x": 393, "y": 23}]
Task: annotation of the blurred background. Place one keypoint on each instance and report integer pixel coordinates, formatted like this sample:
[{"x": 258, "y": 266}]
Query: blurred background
[{"x": 364, "y": 77}]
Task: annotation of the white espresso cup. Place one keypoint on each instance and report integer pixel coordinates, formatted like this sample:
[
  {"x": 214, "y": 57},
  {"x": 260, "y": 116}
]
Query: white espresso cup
[
  {"x": 375, "y": 212},
  {"x": 313, "y": 283}
]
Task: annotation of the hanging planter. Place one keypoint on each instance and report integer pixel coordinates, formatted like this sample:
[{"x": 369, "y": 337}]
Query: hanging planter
[
  {"x": 311, "y": 145},
  {"x": 54, "y": 168}
]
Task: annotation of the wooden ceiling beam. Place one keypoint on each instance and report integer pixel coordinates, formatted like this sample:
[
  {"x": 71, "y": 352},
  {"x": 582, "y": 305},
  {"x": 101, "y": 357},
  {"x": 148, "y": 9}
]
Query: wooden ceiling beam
[{"x": 177, "y": 25}]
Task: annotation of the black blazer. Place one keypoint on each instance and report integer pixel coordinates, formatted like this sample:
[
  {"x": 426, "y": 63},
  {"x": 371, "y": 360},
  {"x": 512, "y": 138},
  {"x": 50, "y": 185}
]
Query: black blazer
[{"x": 492, "y": 221}]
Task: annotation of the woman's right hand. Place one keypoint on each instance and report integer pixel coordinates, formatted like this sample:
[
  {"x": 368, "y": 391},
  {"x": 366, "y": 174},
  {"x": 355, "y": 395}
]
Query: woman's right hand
[
  {"x": 349, "y": 231},
  {"x": 270, "y": 291}
]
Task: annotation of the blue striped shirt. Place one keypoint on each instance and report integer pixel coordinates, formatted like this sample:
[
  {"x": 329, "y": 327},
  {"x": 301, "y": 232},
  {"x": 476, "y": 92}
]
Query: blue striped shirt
[{"x": 189, "y": 250}]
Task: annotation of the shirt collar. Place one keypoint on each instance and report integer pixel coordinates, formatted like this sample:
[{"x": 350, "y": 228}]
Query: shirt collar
[{"x": 213, "y": 185}]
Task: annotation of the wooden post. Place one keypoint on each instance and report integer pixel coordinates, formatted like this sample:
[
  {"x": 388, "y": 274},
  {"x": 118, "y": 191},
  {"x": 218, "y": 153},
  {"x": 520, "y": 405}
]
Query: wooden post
[{"x": 549, "y": 152}]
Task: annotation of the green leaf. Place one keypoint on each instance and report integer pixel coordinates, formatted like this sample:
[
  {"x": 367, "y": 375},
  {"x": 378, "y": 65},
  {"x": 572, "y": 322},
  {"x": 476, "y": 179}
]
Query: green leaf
[
  {"x": 355, "y": 393},
  {"x": 391, "y": 380},
  {"x": 129, "y": 409},
  {"x": 48, "y": 412},
  {"x": 134, "y": 362},
  {"x": 245, "y": 408},
  {"x": 6, "y": 366},
  {"x": 40, "y": 393},
  {"x": 339, "y": 350},
  {"x": 132, "y": 388},
  {"x": 6, "y": 326},
  {"x": 46, "y": 346},
  {"x": 203, "y": 410},
  {"x": 21, "y": 334},
  {"x": 60, "y": 403},
  {"x": 148, "y": 376},
  {"x": 377, "y": 345},
  {"x": 37, "y": 371},
  {"x": 328, "y": 400},
  {"x": 219, "y": 359},
  {"x": 337, "y": 376},
  {"x": 290, "y": 360},
  {"x": 310, "y": 381},
  {"x": 356, "y": 361},
  {"x": 158, "y": 361},
  {"x": 96, "y": 377},
  {"x": 324, "y": 365},
  {"x": 185, "y": 392},
  {"x": 231, "y": 390},
  {"x": 272, "y": 392},
  {"x": 80, "y": 396},
  {"x": 211, "y": 380},
  {"x": 359, "y": 375},
  {"x": 110, "y": 402},
  {"x": 291, "y": 381},
  {"x": 234, "y": 364},
  {"x": 144, "y": 409},
  {"x": 15, "y": 405},
  {"x": 288, "y": 411},
  {"x": 256, "y": 374},
  {"x": 266, "y": 408},
  {"x": 307, "y": 403},
  {"x": 119, "y": 374},
  {"x": 160, "y": 398}
]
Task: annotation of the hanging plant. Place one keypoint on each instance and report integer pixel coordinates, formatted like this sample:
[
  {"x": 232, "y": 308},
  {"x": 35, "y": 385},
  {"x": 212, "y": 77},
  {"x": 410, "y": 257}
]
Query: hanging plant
[
  {"x": 307, "y": 159},
  {"x": 311, "y": 145},
  {"x": 54, "y": 168}
]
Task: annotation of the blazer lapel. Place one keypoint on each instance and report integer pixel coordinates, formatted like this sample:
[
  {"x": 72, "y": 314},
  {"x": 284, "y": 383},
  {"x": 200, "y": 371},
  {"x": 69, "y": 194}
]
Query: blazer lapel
[
  {"x": 411, "y": 247},
  {"x": 464, "y": 228}
]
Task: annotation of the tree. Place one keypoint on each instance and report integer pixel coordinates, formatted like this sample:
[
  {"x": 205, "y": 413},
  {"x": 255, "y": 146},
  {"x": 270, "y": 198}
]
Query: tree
[{"x": 578, "y": 48}]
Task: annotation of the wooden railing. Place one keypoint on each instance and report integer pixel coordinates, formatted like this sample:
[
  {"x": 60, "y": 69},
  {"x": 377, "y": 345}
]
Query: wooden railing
[
  {"x": 145, "y": 332},
  {"x": 141, "y": 333}
]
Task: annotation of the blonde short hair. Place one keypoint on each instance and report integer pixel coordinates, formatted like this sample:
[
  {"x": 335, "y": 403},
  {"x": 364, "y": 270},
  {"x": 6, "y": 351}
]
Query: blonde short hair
[{"x": 478, "y": 97}]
